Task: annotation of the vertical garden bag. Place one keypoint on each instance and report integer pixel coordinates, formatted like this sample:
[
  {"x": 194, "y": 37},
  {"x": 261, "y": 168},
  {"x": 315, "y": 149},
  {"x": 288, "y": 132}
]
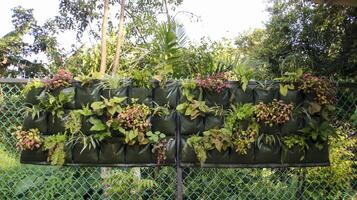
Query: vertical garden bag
[
  {"x": 139, "y": 154},
  {"x": 67, "y": 91},
  {"x": 56, "y": 125},
  {"x": 84, "y": 156},
  {"x": 33, "y": 156},
  {"x": 167, "y": 94},
  {"x": 295, "y": 155},
  {"x": 111, "y": 151},
  {"x": 189, "y": 127},
  {"x": 237, "y": 158},
  {"x": 267, "y": 129},
  {"x": 265, "y": 94},
  {"x": 215, "y": 158},
  {"x": 39, "y": 122},
  {"x": 293, "y": 96},
  {"x": 171, "y": 150},
  {"x": 87, "y": 94},
  {"x": 32, "y": 97},
  {"x": 292, "y": 126},
  {"x": 268, "y": 153},
  {"x": 317, "y": 156},
  {"x": 188, "y": 155},
  {"x": 212, "y": 121},
  {"x": 110, "y": 93},
  {"x": 238, "y": 95},
  {"x": 213, "y": 98},
  {"x": 143, "y": 95},
  {"x": 164, "y": 124}
]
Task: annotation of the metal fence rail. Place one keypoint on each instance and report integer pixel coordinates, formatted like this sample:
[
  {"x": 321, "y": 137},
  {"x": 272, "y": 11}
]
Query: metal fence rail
[{"x": 48, "y": 182}]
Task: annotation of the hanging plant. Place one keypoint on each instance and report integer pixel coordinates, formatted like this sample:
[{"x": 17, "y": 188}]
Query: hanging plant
[{"x": 55, "y": 144}]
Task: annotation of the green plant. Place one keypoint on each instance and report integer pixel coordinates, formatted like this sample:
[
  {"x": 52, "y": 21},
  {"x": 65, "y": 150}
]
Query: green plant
[
  {"x": 28, "y": 140},
  {"x": 353, "y": 119},
  {"x": 36, "y": 83},
  {"x": 243, "y": 74},
  {"x": 318, "y": 132},
  {"x": 244, "y": 138},
  {"x": 111, "y": 82},
  {"x": 157, "y": 139},
  {"x": 141, "y": 77},
  {"x": 108, "y": 107},
  {"x": 55, "y": 144},
  {"x": 193, "y": 109},
  {"x": 292, "y": 141},
  {"x": 268, "y": 140},
  {"x": 237, "y": 114},
  {"x": 197, "y": 143},
  {"x": 289, "y": 80},
  {"x": 187, "y": 86},
  {"x": 54, "y": 104},
  {"x": 161, "y": 110},
  {"x": 274, "y": 113}
]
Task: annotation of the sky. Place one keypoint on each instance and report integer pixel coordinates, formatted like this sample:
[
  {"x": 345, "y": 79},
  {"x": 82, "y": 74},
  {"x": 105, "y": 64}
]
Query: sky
[{"x": 218, "y": 19}]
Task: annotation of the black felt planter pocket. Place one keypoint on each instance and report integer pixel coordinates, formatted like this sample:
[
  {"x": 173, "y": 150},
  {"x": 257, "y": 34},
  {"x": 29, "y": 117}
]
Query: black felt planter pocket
[
  {"x": 216, "y": 157},
  {"x": 295, "y": 155},
  {"x": 139, "y": 154},
  {"x": 86, "y": 126},
  {"x": 264, "y": 95},
  {"x": 39, "y": 122},
  {"x": 56, "y": 125},
  {"x": 164, "y": 124},
  {"x": 86, "y": 95},
  {"x": 293, "y": 96},
  {"x": 212, "y": 121},
  {"x": 33, "y": 156},
  {"x": 66, "y": 91},
  {"x": 292, "y": 126},
  {"x": 196, "y": 93},
  {"x": 238, "y": 95},
  {"x": 110, "y": 93},
  {"x": 32, "y": 97},
  {"x": 143, "y": 95},
  {"x": 316, "y": 155},
  {"x": 112, "y": 151},
  {"x": 267, "y": 154},
  {"x": 213, "y": 98},
  {"x": 167, "y": 94},
  {"x": 238, "y": 158},
  {"x": 187, "y": 153},
  {"x": 190, "y": 127},
  {"x": 267, "y": 129},
  {"x": 84, "y": 156},
  {"x": 171, "y": 151}
]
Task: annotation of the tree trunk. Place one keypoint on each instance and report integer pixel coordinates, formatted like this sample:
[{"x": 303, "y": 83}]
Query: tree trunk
[
  {"x": 103, "y": 51},
  {"x": 120, "y": 38}
]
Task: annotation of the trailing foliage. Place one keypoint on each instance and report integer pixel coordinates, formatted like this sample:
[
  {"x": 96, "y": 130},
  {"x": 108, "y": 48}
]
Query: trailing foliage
[{"x": 55, "y": 144}]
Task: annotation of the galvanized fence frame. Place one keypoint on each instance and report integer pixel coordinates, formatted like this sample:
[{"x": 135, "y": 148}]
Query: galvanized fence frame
[{"x": 189, "y": 183}]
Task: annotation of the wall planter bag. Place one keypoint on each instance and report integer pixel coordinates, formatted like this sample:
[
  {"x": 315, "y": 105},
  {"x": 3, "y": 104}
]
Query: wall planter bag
[
  {"x": 86, "y": 126},
  {"x": 213, "y": 98},
  {"x": 212, "y": 121},
  {"x": 85, "y": 156},
  {"x": 33, "y": 156},
  {"x": 56, "y": 125},
  {"x": 188, "y": 155},
  {"x": 171, "y": 151},
  {"x": 238, "y": 95},
  {"x": 265, "y": 95},
  {"x": 292, "y": 96},
  {"x": 188, "y": 126},
  {"x": 267, "y": 154},
  {"x": 86, "y": 94},
  {"x": 32, "y": 97},
  {"x": 139, "y": 154},
  {"x": 167, "y": 94},
  {"x": 143, "y": 95},
  {"x": 237, "y": 158},
  {"x": 292, "y": 126},
  {"x": 110, "y": 93},
  {"x": 214, "y": 157},
  {"x": 67, "y": 91},
  {"x": 39, "y": 122},
  {"x": 295, "y": 155},
  {"x": 267, "y": 129},
  {"x": 316, "y": 156},
  {"x": 164, "y": 124},
  {"x": 112, "y": 151},
  {"x": 196, "y": 93}
]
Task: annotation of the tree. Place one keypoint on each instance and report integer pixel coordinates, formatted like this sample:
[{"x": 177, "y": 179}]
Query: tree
[
  {"x": 103, "y": 51},
  {"x": 120, "y": 38}
]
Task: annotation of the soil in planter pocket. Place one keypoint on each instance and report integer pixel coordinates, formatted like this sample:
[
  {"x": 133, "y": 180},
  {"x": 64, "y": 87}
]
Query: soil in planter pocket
[
  {"x": 237, "y": 158},
  {"x": 295, "y": 155},
  {"x": 33, "y": 156},
  {"x": 238, "y": 95},
  {"x": 139, "y": 154},
  {"x": 143, "y": 95},
  {"x": 38, "y": 122},
  {"x": 166, "y": 95},
  {"x": 112, "y": 151},
  {"x": 86, "y": 95},
  {"x": 268, "y": 154},
  {"x": 213, "y": 98},
  {"x": 293, "y": 96},
  {"x": 318, "y": 156},
  {"x": 33, "y": 95},
  {"x": 190, "y": 127},
  {"x": 212, "y": 121},
  {"x": 86, "y": 156},
  {"x": 187, "y": 153},
  {"x": 164, "y": 124}
]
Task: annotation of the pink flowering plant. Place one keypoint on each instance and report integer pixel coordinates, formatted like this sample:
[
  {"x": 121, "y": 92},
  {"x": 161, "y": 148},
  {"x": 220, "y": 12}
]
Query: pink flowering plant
[
  {"x": 216, "y": 82},
  {"x": 63, "y": 78}
]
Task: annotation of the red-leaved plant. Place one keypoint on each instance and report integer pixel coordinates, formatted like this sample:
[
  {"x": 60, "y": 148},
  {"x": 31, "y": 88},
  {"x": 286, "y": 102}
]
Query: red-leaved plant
[
  {"x": 216, "y": 82},
  {"x": 63, "y": 78},
  {"x": 28, "y": 140}
]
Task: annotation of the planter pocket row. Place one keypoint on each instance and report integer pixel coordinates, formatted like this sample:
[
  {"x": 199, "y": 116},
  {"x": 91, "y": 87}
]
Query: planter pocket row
[
  {"x": 169, "y": 94},
  {"x": 110, "y": 152},
  {"x": 265, "y": 156}
]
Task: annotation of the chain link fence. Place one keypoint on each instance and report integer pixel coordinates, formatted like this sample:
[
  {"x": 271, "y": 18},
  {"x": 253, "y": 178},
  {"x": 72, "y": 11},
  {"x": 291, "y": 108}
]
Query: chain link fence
[{"x": 18, "y": 181}]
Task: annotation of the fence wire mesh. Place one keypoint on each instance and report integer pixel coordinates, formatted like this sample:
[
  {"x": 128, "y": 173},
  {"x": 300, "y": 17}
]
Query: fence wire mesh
[{"x": 19, "y": 181}]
